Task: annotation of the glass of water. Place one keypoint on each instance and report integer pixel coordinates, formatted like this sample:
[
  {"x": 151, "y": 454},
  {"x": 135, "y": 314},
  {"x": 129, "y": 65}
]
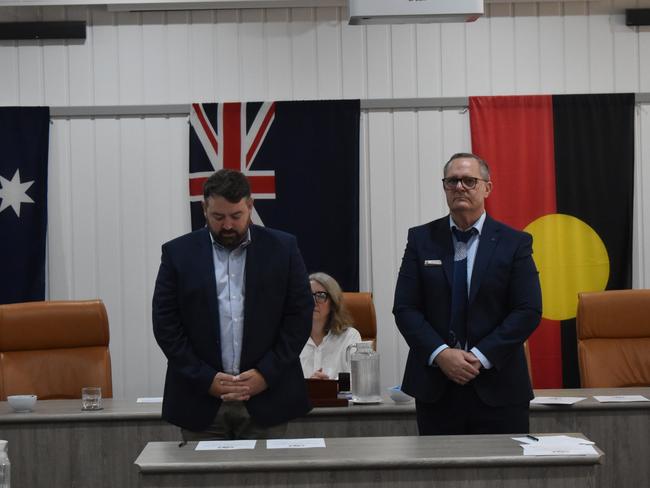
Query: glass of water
[{"x": 91, "y": 398}]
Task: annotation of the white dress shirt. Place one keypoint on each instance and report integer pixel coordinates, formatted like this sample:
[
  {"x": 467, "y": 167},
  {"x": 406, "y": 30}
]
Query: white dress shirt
[{"x": 329, "y": 354}]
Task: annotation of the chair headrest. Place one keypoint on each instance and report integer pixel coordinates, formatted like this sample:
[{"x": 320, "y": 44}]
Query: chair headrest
[
  {"x": 613, "y": 314},
  {"x": 53, "y": 325}
]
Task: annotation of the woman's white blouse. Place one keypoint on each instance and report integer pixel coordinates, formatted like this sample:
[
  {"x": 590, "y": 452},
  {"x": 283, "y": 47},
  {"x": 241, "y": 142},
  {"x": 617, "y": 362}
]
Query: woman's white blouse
[{"x": 329, "y": 355}]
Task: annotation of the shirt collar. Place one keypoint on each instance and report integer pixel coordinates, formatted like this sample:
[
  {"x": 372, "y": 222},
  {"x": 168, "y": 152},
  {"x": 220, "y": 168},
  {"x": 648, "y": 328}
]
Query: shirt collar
[
  {"x": 478, "y": 225},
  {"x": 242, "y": 245}
]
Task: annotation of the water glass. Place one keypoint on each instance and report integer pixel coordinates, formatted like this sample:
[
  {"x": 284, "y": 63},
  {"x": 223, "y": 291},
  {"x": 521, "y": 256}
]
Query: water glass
[{"x": 91, "y": 398}]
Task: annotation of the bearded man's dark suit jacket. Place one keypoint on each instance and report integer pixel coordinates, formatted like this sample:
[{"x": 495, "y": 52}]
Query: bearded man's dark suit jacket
[
  {"x": 277, "y": 322},
  {"x": 504, "y": 308}
]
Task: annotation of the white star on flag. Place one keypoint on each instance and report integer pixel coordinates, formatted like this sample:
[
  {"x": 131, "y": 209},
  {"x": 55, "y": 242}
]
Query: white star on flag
[{"x": 13, "y": 193}]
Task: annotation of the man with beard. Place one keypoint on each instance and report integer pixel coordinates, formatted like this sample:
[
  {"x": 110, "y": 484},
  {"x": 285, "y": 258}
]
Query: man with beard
[{"x": 231, "y": 311}]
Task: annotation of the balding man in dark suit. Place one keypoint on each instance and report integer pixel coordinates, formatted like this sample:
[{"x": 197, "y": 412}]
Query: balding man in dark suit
[{"x": 467, "y": 298}]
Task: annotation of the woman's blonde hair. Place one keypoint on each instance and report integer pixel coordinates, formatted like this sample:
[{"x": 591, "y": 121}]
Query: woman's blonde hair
[{"x": 339, "y": 318}]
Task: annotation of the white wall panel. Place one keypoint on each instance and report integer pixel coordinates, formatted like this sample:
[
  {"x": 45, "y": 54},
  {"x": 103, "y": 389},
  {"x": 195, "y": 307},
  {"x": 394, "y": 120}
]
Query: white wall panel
[
  {"x": 427, "y": 59},
  {"x": 626, "y": 56},
  {"x": 303, "y": 50},
  {"x": 502, "y": 50},
  {"x": 130, "y": 60},
  {"x": 80, "y": 63},
  {"x": 378, "y": 46},
  {"x": 601, "y": 54},
  {"x": 551, "y": 49},
  {"x": 252, "y": 59},
  {"x": 526, "y": 49},
  {"x": 328, "y": 53},
  {"x": 118, "y": 187},
  {"x": 644, "y": 58},
  {"x": 479, "y": 67},
  {"x": 278, "y": 54},
  {"x": 353, "y": 61},
  {"x": 403, "y": 52}
]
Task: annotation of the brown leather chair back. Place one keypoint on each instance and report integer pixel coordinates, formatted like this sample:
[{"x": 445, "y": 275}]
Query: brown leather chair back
[
  {"x": 53, "y": 349},
  {"x": 614, "y": 338},
  {"x": 362, "y": 309}
]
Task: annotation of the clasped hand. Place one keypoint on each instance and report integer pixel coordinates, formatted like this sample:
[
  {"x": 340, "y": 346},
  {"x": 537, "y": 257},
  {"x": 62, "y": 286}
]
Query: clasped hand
[
  {"x": 239, "y": 387},
  {"x": 458, "y": 365}
]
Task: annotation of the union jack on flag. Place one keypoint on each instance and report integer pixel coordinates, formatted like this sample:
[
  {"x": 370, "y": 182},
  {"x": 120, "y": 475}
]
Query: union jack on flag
[
  {"x": 229, "y": 142},
  {"x": 302, "y": 160}
]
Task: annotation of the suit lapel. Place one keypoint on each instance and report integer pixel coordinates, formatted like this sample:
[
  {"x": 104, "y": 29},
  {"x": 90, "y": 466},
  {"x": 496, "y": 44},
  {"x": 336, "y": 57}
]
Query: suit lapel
[
  {"x": 487, "y": 244},
  {"x": 251, "y": 291},
  {"x": 441, "y": 237},
  {"x": 207, "y": 277}
]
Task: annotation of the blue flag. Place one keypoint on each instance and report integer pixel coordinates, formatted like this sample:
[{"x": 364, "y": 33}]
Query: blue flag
[
  {"x": 24, "y": 135},
  {"x": 302, "y": 160}
]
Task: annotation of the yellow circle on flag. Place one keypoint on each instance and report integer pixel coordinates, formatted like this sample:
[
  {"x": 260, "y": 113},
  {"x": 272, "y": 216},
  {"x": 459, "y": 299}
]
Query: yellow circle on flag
[{"x": 571, "y": 258}]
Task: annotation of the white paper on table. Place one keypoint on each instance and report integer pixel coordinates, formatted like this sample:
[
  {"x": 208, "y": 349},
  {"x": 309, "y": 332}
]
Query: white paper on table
[
  {"x": 621, "y": 398},
  {"x": 149, "y": 400},
  {"x": 556, "y": 400},
  {"x": 556, "y": 445},
  {"x": 295, "y": 443},
  {"x": 225, "y": 445},
  {"x": 554, "y": 440},
  {"x": 559, "y": 450}
]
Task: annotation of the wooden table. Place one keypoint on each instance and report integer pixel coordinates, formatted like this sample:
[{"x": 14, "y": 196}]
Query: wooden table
[
  {"x": 58, "y": 445},
  {"x": 100, "y": 447},
  {"x": 365, "y": 462}
]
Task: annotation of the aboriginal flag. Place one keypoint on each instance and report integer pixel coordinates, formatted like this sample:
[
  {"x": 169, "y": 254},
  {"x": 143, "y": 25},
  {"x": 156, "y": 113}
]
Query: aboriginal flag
[{"x": 563, "y": 169}]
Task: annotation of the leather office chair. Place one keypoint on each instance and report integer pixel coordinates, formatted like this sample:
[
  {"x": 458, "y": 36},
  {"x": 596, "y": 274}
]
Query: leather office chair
[
  {"x": 362, "y": 309},
  {"x": 53, "y": 349},
  {"x": 614, "y": 338}
]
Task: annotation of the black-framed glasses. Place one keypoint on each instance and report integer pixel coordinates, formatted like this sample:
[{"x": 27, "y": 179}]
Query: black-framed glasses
[
  {"x": 320, "y": 296},
  {"x": 468, "y": 182}
]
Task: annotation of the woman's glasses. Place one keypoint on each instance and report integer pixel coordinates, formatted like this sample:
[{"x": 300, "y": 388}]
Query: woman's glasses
[{"x": 320, "y": 296}]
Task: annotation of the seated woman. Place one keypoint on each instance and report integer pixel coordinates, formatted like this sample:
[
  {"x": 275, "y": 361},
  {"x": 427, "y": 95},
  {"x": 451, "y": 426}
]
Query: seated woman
[{"x": 323, "y": 356}]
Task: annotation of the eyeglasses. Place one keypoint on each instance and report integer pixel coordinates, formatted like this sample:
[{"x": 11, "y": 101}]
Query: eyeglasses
[
  {"x": 320, "y": 296},
  {"x": 468, "y": 182}
]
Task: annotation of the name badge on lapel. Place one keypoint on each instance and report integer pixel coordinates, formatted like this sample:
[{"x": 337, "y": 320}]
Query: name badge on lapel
[{"x": 432, "y": 262}]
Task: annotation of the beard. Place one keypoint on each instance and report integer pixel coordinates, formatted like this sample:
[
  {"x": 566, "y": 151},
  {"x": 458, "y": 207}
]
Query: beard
[{"x": 230, "y": 239}]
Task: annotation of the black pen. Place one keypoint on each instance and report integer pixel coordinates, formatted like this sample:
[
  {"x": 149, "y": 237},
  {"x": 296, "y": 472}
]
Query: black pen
[{"x": 532, "y": 437}]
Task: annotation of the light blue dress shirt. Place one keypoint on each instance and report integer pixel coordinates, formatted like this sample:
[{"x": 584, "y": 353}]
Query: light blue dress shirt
[
  {"x": 229, "y": 273},
  {"x": 472, "y": 247}
]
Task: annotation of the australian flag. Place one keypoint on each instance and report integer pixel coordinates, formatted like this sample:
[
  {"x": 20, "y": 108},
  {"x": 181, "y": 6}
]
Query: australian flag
[
  {"x": 302, "y": 160},
  {"x": 24, "y": 135}
]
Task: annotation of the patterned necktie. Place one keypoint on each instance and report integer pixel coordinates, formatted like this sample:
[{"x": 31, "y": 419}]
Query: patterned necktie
[{"x": 458, "y": 324}]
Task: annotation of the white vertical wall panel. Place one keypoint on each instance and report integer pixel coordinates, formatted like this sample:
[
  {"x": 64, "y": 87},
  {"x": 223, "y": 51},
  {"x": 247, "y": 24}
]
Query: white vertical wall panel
[
  {"x": 328, "y": 53},
  {"x": 278, "y": 54},
  {"x": 479, "y": 67},
  {"x": 118, "y": 187},
  {"x": 644, "y": 54},
  {"x": 453, "y": 69},
  {"x": 303, "y": 49},
  {"x": 642, "y": 200},
  {"x": 502, "y": 53},
  {"x": 526, "y": 45}
]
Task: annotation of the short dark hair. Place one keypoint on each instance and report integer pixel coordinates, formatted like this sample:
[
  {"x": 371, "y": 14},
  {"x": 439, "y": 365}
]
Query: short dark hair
[
  {"x": 483, "y": 166},
  {"x": 227, "y": 183}
]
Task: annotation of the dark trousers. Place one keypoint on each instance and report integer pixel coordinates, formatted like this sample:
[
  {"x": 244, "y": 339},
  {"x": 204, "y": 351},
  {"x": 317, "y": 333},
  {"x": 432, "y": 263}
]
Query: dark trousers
[
  {"x": 461, "y": 411},
  {"x": 233, "y": 423}
]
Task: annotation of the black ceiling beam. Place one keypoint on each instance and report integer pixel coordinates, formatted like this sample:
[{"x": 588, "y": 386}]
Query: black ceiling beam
[
  {"x": 637, "y": 16},
  {"x": 42, "y": 30}
]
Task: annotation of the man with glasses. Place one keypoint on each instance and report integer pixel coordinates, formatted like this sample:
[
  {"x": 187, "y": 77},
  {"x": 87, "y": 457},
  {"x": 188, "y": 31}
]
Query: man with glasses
[
  {"x": 232, "y": 310},
  {"x": 467, "y": 298}
]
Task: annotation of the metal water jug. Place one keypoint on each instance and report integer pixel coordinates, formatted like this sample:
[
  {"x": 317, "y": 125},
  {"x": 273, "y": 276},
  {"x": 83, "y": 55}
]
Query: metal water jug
[{"x": 364, "y": 377}]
